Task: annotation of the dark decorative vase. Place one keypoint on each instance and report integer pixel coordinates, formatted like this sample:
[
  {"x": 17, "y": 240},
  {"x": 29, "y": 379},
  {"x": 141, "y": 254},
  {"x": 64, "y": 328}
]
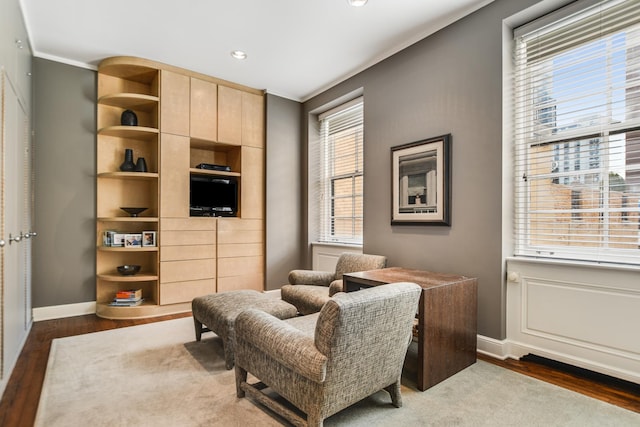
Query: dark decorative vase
[
  {"x": 129, "y": 118},
  {"x": 141, "y": 165},
  {"x": 128, "y": 165}
]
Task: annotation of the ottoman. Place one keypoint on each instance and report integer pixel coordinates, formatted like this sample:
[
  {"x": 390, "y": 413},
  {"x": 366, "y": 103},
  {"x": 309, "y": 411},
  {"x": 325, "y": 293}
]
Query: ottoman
[{"x": 218, "y": 313}]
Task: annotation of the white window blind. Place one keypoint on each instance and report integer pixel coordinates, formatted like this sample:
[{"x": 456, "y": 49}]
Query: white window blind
[
  {"x": 340, "y": 168},
  {"x": 577, "y": 134}
]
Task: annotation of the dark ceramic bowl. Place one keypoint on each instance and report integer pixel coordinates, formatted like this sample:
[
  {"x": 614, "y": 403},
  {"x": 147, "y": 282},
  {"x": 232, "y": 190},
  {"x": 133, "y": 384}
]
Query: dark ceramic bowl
[
  {"x": 134, "y": 211},
  {"x": 128, "y": 270}
]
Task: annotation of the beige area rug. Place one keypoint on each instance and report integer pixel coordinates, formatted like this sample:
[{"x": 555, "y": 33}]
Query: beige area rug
[{"x": 157, "y": 375}]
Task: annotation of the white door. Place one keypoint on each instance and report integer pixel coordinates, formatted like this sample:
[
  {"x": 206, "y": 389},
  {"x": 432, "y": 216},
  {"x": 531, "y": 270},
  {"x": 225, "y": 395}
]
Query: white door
[
  {"x": 3, "y": 235},
  {"x": 16, "y": 207}
]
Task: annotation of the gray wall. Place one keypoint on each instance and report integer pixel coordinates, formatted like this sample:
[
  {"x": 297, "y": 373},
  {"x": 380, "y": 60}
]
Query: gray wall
[
  {"x": 64, "y": 165},
  {"x": 450, "y": 82},
  {"x": 283, "y": 187}
]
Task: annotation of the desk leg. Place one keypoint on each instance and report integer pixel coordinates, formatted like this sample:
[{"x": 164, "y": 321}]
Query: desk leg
[
  {"x": 447, "y": 336},
  {"x": 421, "y": 344}
]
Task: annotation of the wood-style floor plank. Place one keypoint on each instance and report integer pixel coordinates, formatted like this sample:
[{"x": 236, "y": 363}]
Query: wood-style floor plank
[
  {"x": 20, "y": 400},
  {"x": 611, "y": 390}
]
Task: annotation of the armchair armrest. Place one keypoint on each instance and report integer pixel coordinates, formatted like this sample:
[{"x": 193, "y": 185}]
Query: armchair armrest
[
  {"x": 311, "y": 277},
  {"x": 336, "y": 286},
  {"x": 287, "y": 345}
]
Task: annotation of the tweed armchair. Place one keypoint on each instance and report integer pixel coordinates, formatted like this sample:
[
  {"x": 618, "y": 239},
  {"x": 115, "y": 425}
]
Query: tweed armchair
[
  {"x": 356, "y": 348},
  {"x": 309, "y": 290}
]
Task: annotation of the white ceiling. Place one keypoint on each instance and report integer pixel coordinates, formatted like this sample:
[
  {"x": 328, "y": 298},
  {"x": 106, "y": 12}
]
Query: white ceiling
[{"x": 296, "y": 48}]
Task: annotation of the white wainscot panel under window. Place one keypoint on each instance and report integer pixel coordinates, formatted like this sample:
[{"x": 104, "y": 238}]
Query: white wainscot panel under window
[
  {"x": 324, "y": 256},
  {"x": 583, "y": 315}
]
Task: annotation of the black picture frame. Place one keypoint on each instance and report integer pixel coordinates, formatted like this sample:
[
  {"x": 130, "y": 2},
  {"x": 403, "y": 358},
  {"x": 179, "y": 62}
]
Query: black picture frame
[{"x": 421, "y": 182}]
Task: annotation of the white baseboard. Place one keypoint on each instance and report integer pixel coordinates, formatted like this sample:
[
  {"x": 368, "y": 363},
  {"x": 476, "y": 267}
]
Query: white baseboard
[
  {"x": 507, "y": 349},
  {"x": 61, "y": 311},
  {"x": 82, "y": 308},
  {"x": 493, "y": 348}
]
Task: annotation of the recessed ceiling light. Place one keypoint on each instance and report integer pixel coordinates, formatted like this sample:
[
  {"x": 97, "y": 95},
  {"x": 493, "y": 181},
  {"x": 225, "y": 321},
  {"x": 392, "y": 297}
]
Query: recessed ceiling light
[
  {"x": 357, "y": 3},
  {"x": 238, "y": 54}
]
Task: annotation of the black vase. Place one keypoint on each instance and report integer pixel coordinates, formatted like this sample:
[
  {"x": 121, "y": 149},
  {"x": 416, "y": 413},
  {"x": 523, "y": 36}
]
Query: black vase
[
  {"x": 129, "y": 118},
  {"x": 141, "y": 165},
  {"x": 128, "y": 165}
]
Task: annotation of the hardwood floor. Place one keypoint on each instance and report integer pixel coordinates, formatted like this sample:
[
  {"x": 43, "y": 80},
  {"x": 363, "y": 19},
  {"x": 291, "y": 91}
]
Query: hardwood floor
[
  {"x": 20, "y": 400},
  {"x": 611, "y": 390},
  {"x": 22, "y": 394}
]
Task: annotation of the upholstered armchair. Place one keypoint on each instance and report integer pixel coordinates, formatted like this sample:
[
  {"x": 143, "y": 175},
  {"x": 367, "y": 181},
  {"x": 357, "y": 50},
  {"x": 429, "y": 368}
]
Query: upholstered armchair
[
  {"x": 325, "y": 362},
  {"x": 309, "y": 290}
]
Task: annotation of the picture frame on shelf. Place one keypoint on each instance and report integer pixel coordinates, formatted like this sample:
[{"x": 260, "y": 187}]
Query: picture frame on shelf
[
  {"x": 133, "y": 240},
  {"x": 149, "y": 238},
  {"x": 107, "y": 238},
  {"x": 118, "y": 240},
  {"x": 421, "y": 182}
]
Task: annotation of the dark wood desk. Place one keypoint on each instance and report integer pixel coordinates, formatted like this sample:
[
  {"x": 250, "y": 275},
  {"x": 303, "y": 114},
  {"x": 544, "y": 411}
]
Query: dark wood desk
[{"x": 447, "y": 318}]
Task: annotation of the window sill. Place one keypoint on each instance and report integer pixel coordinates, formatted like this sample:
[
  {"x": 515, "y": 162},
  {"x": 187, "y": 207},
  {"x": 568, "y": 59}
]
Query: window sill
[
  {"x": 337, "y": 244},
  {"x": 571, "y": 263}
]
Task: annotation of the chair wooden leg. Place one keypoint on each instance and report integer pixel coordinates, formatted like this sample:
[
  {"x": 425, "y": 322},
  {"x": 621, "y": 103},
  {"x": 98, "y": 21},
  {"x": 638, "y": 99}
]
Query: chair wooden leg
[
  {"x": 241, "y": 377},
  {"x": 198, "y": 326},
  {"x": 394, "y": 391}
]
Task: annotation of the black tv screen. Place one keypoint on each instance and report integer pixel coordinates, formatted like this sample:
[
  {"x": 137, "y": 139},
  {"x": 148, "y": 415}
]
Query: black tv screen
[{"x": 213, "y": 196}]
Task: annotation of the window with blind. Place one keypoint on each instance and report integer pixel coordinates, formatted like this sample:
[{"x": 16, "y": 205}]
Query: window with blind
[
  {"x": 577, "y": 134},
  {"x": 340, "y": 167}
]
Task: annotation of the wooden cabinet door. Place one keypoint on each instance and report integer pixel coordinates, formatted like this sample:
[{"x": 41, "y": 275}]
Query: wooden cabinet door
[
  {"x": 204, "y": 110},
  {"x": 253, "y": 120},
  {"x": 240, "y": 254},
  {"x": 174, "y": 176},
  {"x": 229, "y": 115},
  {"x": 252, "y": 183},
  {"x": 174, "y": 103},
  {"x": 187, "y": 258}
]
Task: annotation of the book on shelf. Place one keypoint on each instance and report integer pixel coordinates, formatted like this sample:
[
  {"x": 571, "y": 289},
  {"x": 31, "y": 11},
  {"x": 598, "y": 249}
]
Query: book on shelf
[
  {"x": 129, "y": 294},
  {"x": 126, "y": 302},
  {"x": 127, "y": 298}
]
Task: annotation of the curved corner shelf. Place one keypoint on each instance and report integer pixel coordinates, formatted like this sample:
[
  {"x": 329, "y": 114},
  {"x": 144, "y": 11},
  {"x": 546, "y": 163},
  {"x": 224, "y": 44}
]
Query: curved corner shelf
[
  {"x": 122, "y": 249},
  {"x": 130, "y": 100},
  {"x": 146, "y": 309},
  {"x": 129, "y": 175},
  {"x": 133, "y": 132},
  {"x": 120, "y": 278},
  {"x": 130, "y": 68}
]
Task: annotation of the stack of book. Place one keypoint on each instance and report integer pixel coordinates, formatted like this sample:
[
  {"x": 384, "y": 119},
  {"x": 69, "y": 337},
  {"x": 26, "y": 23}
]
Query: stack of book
[{"x": 128, "y": 298}]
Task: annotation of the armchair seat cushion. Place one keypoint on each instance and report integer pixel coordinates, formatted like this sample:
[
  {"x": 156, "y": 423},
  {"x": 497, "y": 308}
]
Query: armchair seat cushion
[{"x": 308, "y": 298}]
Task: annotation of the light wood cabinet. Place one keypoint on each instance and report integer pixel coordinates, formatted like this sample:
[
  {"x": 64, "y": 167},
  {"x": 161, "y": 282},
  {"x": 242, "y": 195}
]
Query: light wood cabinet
[
  {"x": 229, "y": 115},
  {"x": 204, "y": 110},
  {"x": 174, "y": 179},
  {"x": 184, "y": 119},
  {"x": 252, "y": 183},
  {"x": 253, "y": 120},
  {"x": 240, "y": 254},
  {"x": 188, "y": 259},
  {"x": 174, "y": 113}
]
